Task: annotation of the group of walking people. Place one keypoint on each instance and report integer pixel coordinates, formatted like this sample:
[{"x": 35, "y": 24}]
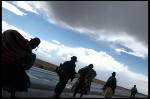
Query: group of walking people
[
  {"x": 82, "y": 85},
  {"x": 66, "y": 71},
  {"x": 17, "y": 57}
]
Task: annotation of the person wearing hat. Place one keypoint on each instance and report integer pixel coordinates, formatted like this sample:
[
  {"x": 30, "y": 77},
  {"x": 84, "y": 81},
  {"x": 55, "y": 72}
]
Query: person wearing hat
[
  {"x": 110, "y": 86},
  {"x": 68, "y": 72},
  {"x": 82, "y": 85}
]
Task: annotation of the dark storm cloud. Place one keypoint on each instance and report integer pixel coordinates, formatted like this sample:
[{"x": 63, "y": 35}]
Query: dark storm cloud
[{"x": 115, "y": 16}]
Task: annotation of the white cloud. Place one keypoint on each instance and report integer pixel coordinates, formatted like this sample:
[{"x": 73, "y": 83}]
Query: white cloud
[
  {"x": 56, "y": 42},
  {"x": 41, "y": 7},
  {"x": 12, "y": 8},
  {"x": 6, "y": 26},
  {"x": 137, "y": 48},
  {"x": 131, "y": 53},
  {"x": 26, "y": 6},
  {"x": 104, "y": 63},
  {"x": 117, "y": 29},
  {"x": 116, "y": 35}
]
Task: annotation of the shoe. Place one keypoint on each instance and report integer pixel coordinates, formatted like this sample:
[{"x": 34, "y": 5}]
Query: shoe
[{"x": 56, "y": 96}]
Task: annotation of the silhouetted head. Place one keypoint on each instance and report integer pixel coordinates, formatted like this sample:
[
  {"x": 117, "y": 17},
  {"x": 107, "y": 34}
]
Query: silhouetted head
[
  {"x": 74, "y": 58},
  {"x": 114, "y": 74},
  {"x": 34, "y": 42},
  {"x": 134, "y": 85},
  {"x": 90, "y": 65}
]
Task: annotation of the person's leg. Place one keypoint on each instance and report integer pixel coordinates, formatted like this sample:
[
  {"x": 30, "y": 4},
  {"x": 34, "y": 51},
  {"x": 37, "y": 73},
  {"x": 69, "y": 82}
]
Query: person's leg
[
  {"x": 12, "y": 92},
  {"x": 81, "y": 94},
  {"x": 75, "y": 92},
  {"x": 76, "y": 89},
  {"x": 57, "y": 87},
  {"x": 111, "y": 93},
  {"x": 134, "y": 95},
  {"x": 60, "y": 86},
  {"x": 107, "y": 93},
  {"x": 131, "y": 95},
  {"x": 83, "y": 89}
]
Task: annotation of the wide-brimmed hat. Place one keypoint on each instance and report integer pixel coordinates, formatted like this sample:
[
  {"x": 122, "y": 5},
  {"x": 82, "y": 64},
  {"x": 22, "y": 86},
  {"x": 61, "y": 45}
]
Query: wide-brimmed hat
[
  {"x": 74, "y": 58},
  {"x": 114, "y": 73},
  {"x": 91, "y": 65}
]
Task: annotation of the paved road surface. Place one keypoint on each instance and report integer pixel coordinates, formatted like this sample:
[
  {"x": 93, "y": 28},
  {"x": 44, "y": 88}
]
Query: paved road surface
[{"x": 43, "y": 83}]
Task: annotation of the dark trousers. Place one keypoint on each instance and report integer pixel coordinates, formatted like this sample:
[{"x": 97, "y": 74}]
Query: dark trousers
[
  {"x": 132, "y": 95},
  {"x": 61, "y": 85}
]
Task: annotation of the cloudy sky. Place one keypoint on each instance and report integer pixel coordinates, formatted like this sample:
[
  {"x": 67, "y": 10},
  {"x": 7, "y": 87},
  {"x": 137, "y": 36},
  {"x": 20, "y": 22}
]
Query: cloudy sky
[{"x": 112, "y": 35}]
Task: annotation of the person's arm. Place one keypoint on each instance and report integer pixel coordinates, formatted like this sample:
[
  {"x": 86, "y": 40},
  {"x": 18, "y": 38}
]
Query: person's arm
[
  {"x": 33, "y": 59},
  {"x": 28, "y": 61},
  {"x": 106, "y": 84},
  {"x": 135, "y": 90},
  {"x": 94, "y": 74},
  {"x": 104, "y": 87},
  {"x": 131, "y": 89},
  {"x": 115, "y": 84},
  {"x": 80, "y": 70},
  {"x": 74, "y": 74}
]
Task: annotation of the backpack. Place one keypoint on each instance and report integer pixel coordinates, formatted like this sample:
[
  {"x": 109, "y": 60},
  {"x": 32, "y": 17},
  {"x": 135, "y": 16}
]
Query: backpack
[
  {"x": 66, "y": 70},
  {"x": 59, "y": 70},
  {"x": 134, "y": 90}
]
